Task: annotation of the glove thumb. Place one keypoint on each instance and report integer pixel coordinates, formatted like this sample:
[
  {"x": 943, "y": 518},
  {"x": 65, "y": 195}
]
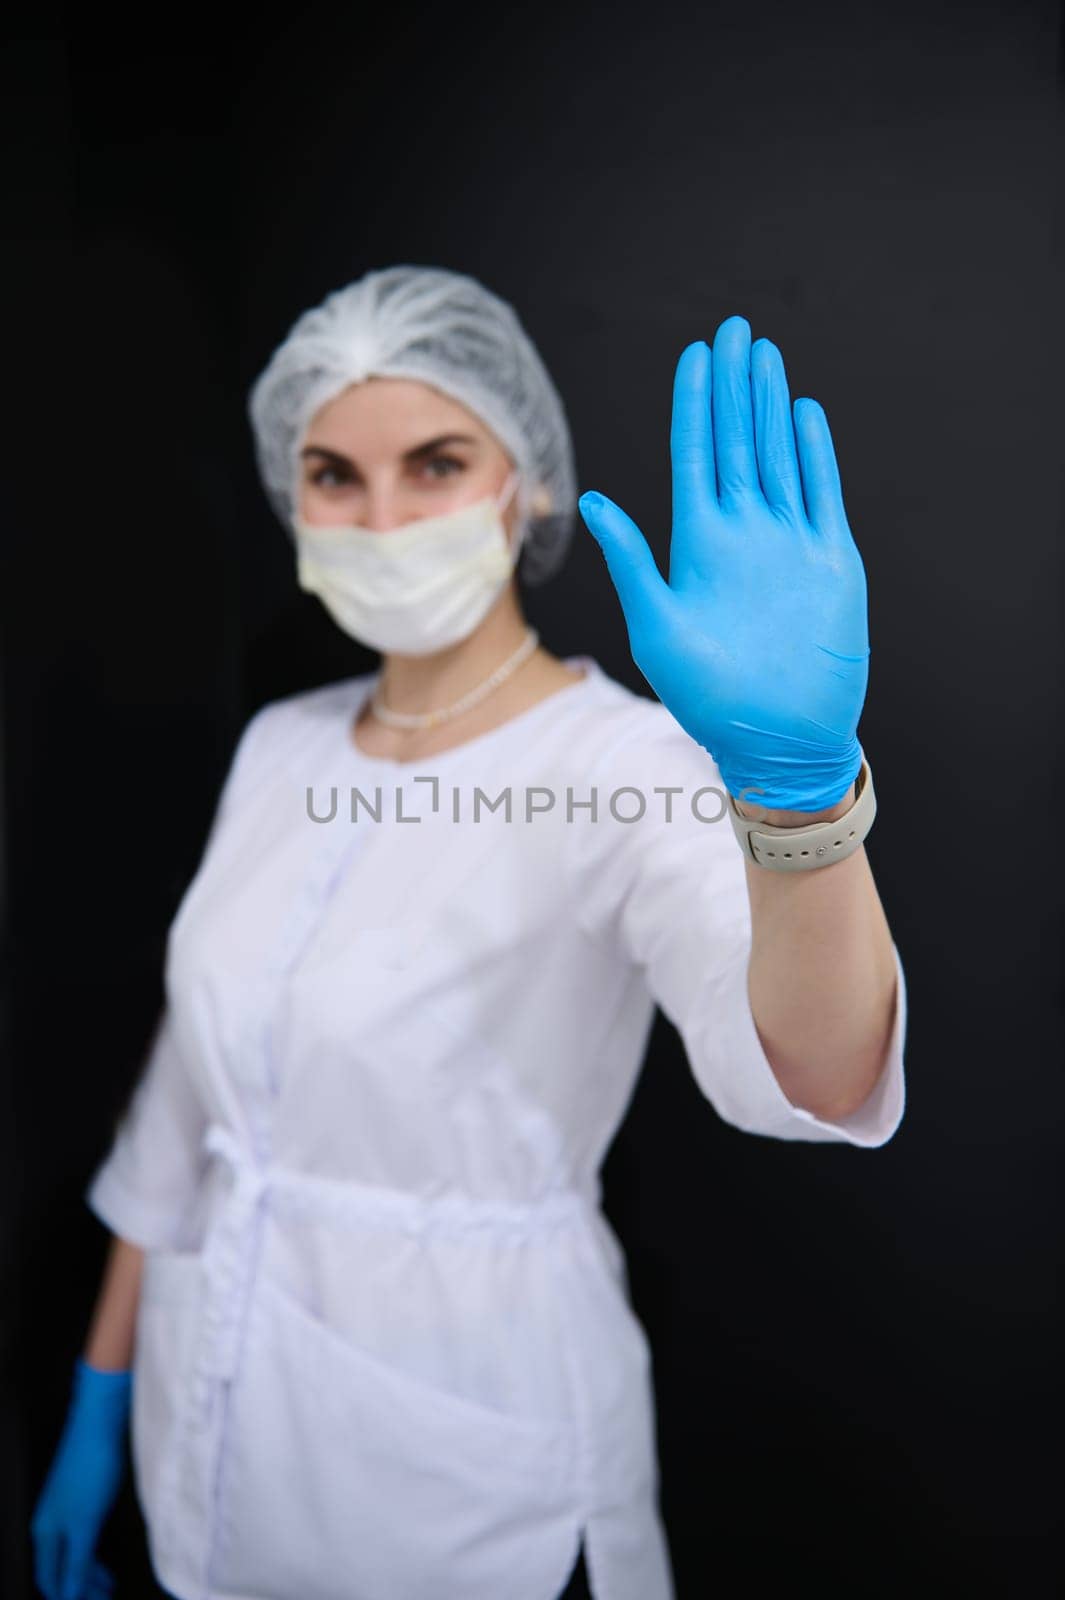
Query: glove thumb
[{"x": 641, "y": 589}]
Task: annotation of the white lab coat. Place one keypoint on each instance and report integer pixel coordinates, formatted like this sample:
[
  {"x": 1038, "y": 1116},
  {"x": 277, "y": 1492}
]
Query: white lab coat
[{"x": 385, "y": 1349}]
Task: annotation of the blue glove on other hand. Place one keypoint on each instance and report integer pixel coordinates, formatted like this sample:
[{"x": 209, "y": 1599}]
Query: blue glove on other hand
[
  {"x": 758, "y": 644},
  {"x": 81, "y": 1487}
]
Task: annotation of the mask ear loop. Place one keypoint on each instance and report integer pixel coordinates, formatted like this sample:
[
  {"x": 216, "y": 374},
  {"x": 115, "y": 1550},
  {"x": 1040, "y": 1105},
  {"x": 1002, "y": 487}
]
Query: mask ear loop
[
  {"x": 506, "y": 493},
  {"x": 502, "y": 501}
]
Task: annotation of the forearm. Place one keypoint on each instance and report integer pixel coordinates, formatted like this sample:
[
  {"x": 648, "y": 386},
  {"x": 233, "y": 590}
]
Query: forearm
[
  {"x": 821, "y": 977},
  {"x": 109, "y": 1344}
]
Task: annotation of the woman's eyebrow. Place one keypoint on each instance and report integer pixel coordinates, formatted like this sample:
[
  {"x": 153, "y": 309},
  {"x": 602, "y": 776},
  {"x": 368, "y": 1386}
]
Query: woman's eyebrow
[{"x": 408, "y": 455}]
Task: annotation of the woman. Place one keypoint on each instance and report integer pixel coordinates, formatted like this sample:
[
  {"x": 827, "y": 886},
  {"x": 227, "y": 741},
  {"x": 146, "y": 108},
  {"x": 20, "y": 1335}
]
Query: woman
[{"x": 383, "y": 1340}]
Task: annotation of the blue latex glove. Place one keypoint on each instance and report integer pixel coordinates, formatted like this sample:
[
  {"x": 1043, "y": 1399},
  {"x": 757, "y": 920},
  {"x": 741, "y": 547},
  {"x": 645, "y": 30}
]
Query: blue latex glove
[
  {"x": 82, "y": 1485},
  {"x": 758, "y": 644}
]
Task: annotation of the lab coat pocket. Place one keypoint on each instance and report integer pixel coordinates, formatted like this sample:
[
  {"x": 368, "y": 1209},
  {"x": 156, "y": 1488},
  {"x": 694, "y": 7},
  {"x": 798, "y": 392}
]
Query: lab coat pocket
[
  {"x": 346, "y": 1479},
  {"x": 164, "y": 1345}
]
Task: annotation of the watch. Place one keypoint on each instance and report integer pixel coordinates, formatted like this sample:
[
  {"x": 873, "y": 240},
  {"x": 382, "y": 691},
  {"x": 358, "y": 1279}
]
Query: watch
[{"x": 802, "y": 849}]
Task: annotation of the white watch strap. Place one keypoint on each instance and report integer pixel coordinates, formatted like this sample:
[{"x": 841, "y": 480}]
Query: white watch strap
[{"x": 804, "y": 849}]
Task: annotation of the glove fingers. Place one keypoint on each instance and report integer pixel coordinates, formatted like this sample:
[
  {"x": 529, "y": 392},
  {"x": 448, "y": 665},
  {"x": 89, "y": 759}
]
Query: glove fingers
[
  {"x": 48, "y": 1555},
  {"x": 778, "y": 462},
  {"x": 691, "y": 436},
  {"x": 820, "y": 471},
  {"x": 730, "y": 404},
  {"x": 101, "y": 1584},
  {"x": 75, "y": 1569}
]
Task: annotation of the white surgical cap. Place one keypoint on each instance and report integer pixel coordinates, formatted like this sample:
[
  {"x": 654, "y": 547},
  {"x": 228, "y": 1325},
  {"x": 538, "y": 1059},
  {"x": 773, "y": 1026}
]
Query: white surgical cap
[{"x": 442, "y": 328}]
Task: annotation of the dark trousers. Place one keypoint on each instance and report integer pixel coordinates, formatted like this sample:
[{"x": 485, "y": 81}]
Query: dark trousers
[{"x": 577, "y": 1587}]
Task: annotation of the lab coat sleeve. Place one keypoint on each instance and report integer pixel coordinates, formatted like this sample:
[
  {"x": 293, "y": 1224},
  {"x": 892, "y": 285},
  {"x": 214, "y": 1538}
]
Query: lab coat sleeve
[
  {"x": 146, "y": 1187},
  {"x": 671, "y": 897}
]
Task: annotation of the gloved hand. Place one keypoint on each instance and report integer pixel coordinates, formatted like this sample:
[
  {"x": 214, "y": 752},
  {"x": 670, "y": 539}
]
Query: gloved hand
[
  {"x": 758, "y": 644},
  {"x": 81, "y": 1487}
]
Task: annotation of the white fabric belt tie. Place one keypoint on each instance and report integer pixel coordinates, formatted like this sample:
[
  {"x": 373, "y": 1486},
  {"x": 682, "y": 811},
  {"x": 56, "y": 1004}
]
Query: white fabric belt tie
[{"x": 227, "y": 1256}]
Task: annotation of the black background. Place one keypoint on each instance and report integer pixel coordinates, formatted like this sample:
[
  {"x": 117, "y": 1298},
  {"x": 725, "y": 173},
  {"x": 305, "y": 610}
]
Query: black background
[{"x": 858, "y": 1353}]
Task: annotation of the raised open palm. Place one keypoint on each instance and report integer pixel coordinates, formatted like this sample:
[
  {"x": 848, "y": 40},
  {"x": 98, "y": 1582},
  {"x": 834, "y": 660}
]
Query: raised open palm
[{"x": 758, "y": 643}]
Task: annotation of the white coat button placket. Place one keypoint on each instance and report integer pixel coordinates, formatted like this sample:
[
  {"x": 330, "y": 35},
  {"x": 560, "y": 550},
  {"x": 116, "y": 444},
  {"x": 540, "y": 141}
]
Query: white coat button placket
[{"x": 230, "y": 1248}]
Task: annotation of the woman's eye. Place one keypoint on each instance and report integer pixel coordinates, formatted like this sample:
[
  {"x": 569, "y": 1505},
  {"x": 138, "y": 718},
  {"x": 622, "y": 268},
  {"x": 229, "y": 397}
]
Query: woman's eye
[
  {"x": 323, "y": 472},
  {"x": 449, "y": 462},
  {"x": 438, "y": 467}
]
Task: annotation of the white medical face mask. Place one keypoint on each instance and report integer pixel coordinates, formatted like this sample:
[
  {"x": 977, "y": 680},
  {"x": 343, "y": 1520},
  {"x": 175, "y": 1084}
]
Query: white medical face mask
[{"x": 414, "y": 589}]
